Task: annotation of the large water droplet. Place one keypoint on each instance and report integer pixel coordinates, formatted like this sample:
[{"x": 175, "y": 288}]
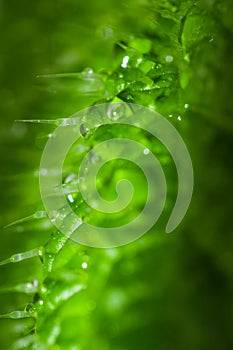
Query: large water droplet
[
  {"x": 116, "y": 111},
  {"x": 169, "y": 58},
  {"x": 88, "y": 70},
  {"x": 85, "y": 130},
  {"x": 146, "y": 151}
]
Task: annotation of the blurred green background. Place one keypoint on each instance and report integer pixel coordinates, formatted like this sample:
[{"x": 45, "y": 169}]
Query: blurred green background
[{"x": 163, "y": 291}]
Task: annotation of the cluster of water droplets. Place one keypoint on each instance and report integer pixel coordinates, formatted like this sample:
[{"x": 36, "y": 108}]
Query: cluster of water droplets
[{"x": 138, "y": 79}]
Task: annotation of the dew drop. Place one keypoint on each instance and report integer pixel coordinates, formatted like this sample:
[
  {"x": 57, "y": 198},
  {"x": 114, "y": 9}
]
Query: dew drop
[
  {"x": 43, "y": 289},
  {"x": 116, "y": 111},
  {"x": 88, "y": 70},
  {"x": 84, "y": 265},
  {"x": 70, "y": 198},
  {"x": 125, "y": 62},
  {"x": 85, "y": 130},
  {"x": 40, "y": 214},
  {"x": 35, "y": 283},
  {"x": 146, "y": 151},
  {"x": 169, "y": 58}
]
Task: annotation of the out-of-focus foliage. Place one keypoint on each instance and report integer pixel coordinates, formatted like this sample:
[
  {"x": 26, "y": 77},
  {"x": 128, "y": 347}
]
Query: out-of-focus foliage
[{"x": 162, "y": 292}]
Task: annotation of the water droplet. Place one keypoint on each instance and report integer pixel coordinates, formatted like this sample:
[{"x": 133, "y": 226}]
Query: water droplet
[
  {"x": 53, "y": 216},
  {"x": 125, "y": 62},
  {"x": 43, "y": 289},
  {"x": 146, "y": 151},
  {"x": 35, "y": 283},
  {"x": 116, "y": 111},
  {"x": 40, "y": 214},
  {"x": 179, "y": 118},
  {"x": 170, "y": 115},
  {"x": 186, "y": 106},
  {"x": 88, "y": 70},
  {"x": 85, "y": 130},
  {"x": 70, "y": 198},
  {"x": 84, "y": 265},
  {"x": 67, "y": 121},
  {"x": 169, "y": 58},
  {"x": 41, "y": 302}
]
